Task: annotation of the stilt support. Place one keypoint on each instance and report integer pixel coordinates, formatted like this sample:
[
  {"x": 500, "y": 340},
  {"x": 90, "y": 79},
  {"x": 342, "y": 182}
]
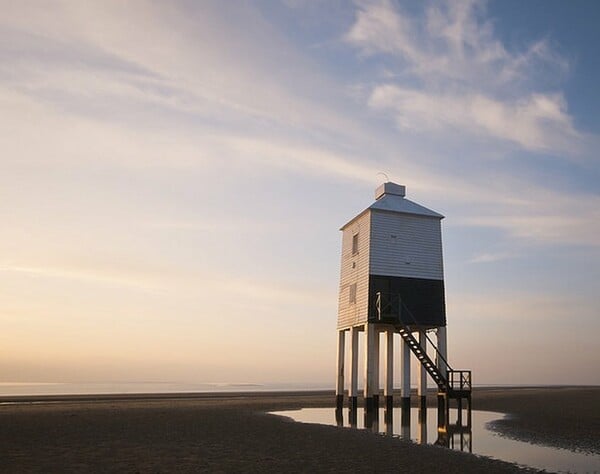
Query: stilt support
[
  {"x": 422, "y": 383},
  {"x": 423, "y": 424},
  {"x": 352, "y": 412},
  {"x": 353, "y": 391},
  {"x": 369, "y": 374},
  {"x": 405, "y": 363},
  {"x": 405, "y": 421},
  {"x": 339, "y": 389},
  {"x": 442, "y": 344},
  {"x": 389, "y": 368},
  {"x": 389, "y": 422},
  {"x": 375, "y": 353},
  {"x": 339, "y": 417}
]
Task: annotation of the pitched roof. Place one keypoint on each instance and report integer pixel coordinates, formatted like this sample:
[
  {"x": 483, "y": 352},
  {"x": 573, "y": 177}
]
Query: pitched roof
[
  {"x": 395, "y": 203},
  {"x": 390, "y": 198}
]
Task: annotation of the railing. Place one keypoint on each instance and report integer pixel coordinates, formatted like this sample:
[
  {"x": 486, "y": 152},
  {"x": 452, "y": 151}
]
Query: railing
[
  {"x": 384, "y": 314},
  {"x": 455, "y": 380},
  {"x": 403, "y": 310},
  {"x": 385, "y": 306},
  {"x": 459, "y": 380}
]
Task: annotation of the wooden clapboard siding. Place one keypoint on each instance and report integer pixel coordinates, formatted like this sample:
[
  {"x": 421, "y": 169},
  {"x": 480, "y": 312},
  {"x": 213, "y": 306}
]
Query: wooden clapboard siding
[
  {"x": 350, "y": 314},
  {"x": 405, "y": 245}
]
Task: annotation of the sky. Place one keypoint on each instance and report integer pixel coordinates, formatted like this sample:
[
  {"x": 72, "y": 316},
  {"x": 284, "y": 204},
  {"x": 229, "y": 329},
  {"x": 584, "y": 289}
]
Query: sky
[{"x": 173, "y": 176}]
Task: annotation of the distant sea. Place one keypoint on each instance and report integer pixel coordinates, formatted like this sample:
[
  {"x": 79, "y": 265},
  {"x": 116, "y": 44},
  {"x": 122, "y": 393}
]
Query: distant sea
[{"x": 98, "y": 388}]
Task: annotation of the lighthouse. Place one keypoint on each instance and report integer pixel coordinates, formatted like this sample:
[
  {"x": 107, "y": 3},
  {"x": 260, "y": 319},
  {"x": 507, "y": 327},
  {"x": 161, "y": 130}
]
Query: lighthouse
[{"x": 392, "y": 282}]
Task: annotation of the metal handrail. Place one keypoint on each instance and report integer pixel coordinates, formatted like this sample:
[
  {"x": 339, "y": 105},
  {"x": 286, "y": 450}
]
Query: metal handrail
[
  {"x": 378, "y": 305},
  {"x": 464, "y": 376},
  {"x": 402, "y": 307},
  {"x": 438, "y": 353},
  {"x": 464, "y": 379}
]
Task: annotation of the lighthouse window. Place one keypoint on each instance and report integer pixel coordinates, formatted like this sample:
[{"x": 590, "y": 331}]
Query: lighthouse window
[
  {"x": 354, "y": 244},
  {"x": 353, "y": 293}
]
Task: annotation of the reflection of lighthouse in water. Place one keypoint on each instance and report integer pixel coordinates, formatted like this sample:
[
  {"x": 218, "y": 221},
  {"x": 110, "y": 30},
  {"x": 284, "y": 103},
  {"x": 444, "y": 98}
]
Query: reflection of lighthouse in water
[{"x": 402, "y": 422}]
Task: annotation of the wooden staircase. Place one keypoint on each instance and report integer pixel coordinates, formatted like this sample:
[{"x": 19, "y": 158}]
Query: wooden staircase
[
  {"x": 422, "y": 356},
  {"x": 451, "y": 383},
  {"x": 455, "y": 383}
]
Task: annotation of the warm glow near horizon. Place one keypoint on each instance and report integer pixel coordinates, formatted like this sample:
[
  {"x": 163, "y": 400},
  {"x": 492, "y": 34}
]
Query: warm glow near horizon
[{"x": 173, "y": 176}]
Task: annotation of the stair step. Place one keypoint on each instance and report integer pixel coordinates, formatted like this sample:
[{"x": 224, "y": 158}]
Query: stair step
[{"x": 424, "y": 358}]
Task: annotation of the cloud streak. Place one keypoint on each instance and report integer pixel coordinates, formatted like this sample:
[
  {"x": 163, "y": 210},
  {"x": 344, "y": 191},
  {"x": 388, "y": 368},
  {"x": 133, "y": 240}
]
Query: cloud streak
[
  {"x": 468, "y": 82},
  {"x": 201, "y": 70},
  {"x": 449, "y": 43},
  {"x": 538, "y": 122}
]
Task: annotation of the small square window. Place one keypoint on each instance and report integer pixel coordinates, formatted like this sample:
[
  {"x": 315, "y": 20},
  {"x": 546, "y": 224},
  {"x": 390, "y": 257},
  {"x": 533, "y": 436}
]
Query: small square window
[
  {"x": 353, "y": 293},
  {"x": 354, "y": 244}
]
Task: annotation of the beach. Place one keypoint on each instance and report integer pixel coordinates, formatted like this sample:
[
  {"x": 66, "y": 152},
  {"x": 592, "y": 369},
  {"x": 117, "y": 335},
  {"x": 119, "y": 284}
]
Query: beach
[{"x": 232, "y": 432}]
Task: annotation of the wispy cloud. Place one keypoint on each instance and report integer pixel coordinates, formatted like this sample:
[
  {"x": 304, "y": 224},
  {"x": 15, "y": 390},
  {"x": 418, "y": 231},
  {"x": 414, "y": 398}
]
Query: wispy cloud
[
  {"x": 538, "y": 122},
  {"x": 468, "y": 82},
  {"x": 63, "y": 55},
  {"x": 514, "y": 306},
  {"x": 451, "y": 42},
  {"x": 93, "y": 275},
  {"x": 490, "y": 257},
  {"x": 554, "y": 229},
  {"x": 215, "y": 289}
]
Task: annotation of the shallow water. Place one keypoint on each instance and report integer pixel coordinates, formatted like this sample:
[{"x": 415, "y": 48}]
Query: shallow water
[{"x": 423, "y": 428}]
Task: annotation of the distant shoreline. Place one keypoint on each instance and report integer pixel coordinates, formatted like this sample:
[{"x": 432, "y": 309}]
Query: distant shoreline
[{"x": 157, "y": 395}]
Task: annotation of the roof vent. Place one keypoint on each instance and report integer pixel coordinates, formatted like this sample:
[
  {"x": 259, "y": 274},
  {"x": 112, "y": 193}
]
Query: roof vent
[{"x": 390, "y": 188}]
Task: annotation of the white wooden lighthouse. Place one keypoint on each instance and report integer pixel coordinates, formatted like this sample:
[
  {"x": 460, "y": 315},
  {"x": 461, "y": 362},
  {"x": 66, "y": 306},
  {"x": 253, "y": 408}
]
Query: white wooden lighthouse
[{"x": 392, "y": 281}]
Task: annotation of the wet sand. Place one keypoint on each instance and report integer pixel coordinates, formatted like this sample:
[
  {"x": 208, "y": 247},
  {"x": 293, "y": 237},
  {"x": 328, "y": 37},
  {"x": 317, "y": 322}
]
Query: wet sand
[
  {"x": 563, "y": 417},
  {"x": 232, "y": 433}
]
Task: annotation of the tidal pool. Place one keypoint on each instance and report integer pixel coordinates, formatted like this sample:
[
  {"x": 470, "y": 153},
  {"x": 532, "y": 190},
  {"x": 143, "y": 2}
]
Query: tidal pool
[{"x": 422, "y": 427}]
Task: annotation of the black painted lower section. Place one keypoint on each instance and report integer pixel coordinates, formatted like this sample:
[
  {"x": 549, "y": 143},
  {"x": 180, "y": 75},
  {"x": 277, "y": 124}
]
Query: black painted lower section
[
  {"x": 376, "y": 401},
  {"x": 369, "y": 418},
  {"x": 339, "y": 401},
  {"x": 339, "y": 417},
  {"x": 353, "y": 413},
  {"x": 369, "y": 404},
  {"x": 405, "y": 414},
  {"x": 441, "y": 409},
  {"x": 389, "y": 418},
  {"x": 422, "y": 299},
  {"x": 353, "y": 403},
  {"x": 423, "y": 414},
  {"x": 389, "y": 403}
]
